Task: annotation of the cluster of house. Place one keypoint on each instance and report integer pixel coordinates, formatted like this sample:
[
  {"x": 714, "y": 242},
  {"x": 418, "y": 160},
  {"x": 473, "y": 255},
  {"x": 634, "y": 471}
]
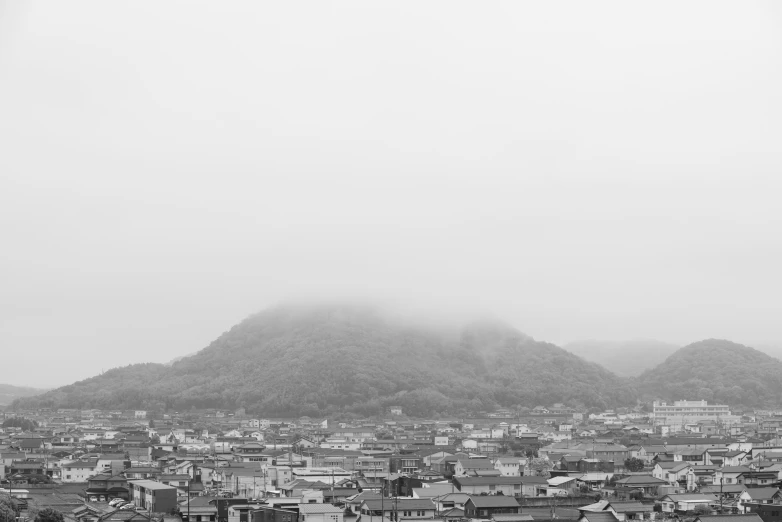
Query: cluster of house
[{"x": 228, "y": 467}]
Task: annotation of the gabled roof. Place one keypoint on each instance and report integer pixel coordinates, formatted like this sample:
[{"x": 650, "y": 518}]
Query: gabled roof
[
  {"x": 692, "y": 497},
  {"x": 484, "y": 481},
  {"x": 490, "y": 501},
  {"x": 762, "y": 493},
  {"x": 673, "y": 465},
  {"x": 753, "y": 517},
  {"x": 598, "y": 516},
  {"x": 630, "y": 507},
  {"x": 638, "y": 480},
  {"x": 476, "y": 463},
  {"x": 406, "y": 504}
]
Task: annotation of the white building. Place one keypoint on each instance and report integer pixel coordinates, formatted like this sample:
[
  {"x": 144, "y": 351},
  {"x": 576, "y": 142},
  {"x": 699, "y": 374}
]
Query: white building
[{"x": 681, "y": 413}]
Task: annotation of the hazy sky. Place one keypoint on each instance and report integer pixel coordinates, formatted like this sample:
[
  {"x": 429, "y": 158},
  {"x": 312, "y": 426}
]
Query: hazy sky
[{"x": 602, "y": 170}]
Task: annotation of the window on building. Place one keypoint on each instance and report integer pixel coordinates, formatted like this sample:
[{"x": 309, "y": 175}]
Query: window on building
[{"x": 407, "y": 513}]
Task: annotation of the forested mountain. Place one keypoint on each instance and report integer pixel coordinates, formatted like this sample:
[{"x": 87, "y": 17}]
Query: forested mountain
[
  {"x": 719, "y": 371},
  {"x": 624, "y": 358},
  {"x": 314, "y": 360},
  {"x": 9, "y": 393}
]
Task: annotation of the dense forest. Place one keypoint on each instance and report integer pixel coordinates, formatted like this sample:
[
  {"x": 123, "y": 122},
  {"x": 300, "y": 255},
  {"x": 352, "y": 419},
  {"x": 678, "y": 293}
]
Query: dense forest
[
  {"x": 318, "y": 360},
  {"x": 718, "y": 371}
]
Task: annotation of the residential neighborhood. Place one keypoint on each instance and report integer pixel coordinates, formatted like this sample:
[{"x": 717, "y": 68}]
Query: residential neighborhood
[{"x": 684, "y": 459}]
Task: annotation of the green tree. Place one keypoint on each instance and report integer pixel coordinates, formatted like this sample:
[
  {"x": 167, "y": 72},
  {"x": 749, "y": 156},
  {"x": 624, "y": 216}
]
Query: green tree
[
  {"x": 702, "y": 509},
  {"x": 20, "y": 422},
  {"x": 634, "y": 464},
  {"x": 49, "y": 515},
  {"x": 9, "y": 509}
]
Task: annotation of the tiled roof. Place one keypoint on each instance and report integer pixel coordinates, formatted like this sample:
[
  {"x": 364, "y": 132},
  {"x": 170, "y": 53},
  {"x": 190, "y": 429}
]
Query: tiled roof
[{"x": 490, "y": 501}]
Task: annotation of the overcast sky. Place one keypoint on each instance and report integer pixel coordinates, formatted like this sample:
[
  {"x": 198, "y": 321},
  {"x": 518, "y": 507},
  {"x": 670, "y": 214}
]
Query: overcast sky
[{"x": 604, "y": 170}]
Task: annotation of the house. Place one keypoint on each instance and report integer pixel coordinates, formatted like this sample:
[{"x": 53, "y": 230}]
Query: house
[
  {"x": 508, "y": 486},
  {"x": 597, "y": 516},
  {"x": 674, "y": 472},
  {"x": 615, "y": 453},
  {"x": 622, "y": 511},
  {"x": 767, "y": 512},
  {"x": 509, "y": 467},
  {"x": 104, "y": 487},
  {"x": 407, "y": 509},
  {"x": 625, "y": 511},
  {"x": 78, "y": 470},
  {"x": 594, "y": 481},
  {"x": 562, "y": 486},
  {"x": 199, "y": 509},
  {"x": 754, "y": 517},
  {"x": 464, "y": 466},
  {"x": 153, "y": 496},
  {"x": 486, "y": 506},
  {"x": 85, "y": 513},
  {"x": 758, "y": 496},
  {"x": 271, "y": 514},
  {"x": 450, "y": 501},
  {"x": 648, "y": 485},
  {"x": 686, "y": 502},
  {"x": 320, "y": 513},
  {"x": 729, "y": 492}
]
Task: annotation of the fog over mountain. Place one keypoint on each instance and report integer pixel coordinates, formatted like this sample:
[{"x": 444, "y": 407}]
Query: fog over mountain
[
  {"x": 315, "y": 360},
  {"x": 624, "y": 358},
  {"x": 580, "y": 170},
  {"x": 9, "y": 393}
]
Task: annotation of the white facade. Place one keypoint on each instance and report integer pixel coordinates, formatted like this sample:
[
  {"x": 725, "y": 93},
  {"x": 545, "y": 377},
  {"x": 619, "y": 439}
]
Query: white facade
[{"x": 681, "y": 413}]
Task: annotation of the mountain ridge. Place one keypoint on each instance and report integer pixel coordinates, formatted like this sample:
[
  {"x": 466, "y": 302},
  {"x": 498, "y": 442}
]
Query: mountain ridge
[
  {"x": 10, "y": 392},
  {"x": 317, "y": 359},
  {"x": 717, "y": 370}
]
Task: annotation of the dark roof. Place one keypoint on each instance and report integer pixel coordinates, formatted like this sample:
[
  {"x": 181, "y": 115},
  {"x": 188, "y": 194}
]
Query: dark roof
[
  {"x": 476, "y": 463},
  {"x": 490, "y": 501},
  {"x": 598, "y": 516},
  {"x": 753, "y": 517},
  {"x": 484, "y": 481},
  {"x": 762, "y": 493},
  {"x": 406, "y": 504},
  {"x": 634, "y": 480},
  {"x": 630, "y": 507}
]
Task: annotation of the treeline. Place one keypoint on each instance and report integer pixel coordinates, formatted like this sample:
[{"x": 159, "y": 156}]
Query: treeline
[
  {"x": 20, "y": 422},
  {"x": 718, "y": 371}
]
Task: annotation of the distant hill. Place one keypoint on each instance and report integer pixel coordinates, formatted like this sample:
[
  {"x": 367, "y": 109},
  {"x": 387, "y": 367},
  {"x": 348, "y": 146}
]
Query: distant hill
[
  {"x": 322, "y": 359},
  {"x": 717, "y": 370},
  {"x": 9, "y": 393},
  {"x": 177, "y": 359},
  {"x": 624, "y": 358}
]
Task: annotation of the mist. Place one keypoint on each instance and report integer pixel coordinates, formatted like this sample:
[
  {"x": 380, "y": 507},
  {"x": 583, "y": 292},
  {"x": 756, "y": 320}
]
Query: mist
[{"x": 580, "y": 171}]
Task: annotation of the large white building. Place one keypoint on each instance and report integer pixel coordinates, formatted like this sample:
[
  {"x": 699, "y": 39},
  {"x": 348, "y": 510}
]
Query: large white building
[{"x": 680, "y": 413}]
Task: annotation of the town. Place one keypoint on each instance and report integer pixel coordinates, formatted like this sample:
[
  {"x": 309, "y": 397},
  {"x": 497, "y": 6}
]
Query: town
[{"x": 681, "y": 460}]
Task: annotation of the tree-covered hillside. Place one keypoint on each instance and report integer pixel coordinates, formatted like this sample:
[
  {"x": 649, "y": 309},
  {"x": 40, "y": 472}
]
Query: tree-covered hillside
[
  {"x": 315, "y": 360},
  {"x": 719, "y": 371}
]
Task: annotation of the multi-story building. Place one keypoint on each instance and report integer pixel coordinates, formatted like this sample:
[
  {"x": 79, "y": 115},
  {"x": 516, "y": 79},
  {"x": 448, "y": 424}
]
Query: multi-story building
[
  {"x": 153, "y": 496},
  {"x": 681, "y": 413}
]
